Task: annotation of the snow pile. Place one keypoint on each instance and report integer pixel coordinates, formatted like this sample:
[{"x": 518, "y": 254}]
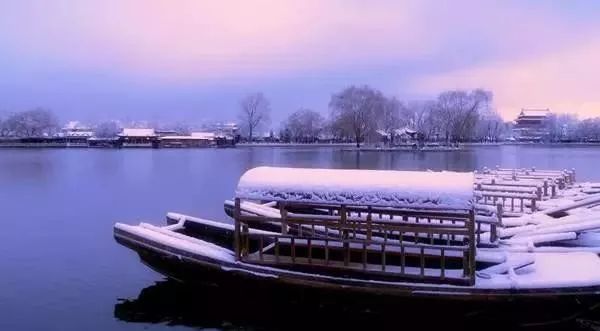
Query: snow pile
[
  {"x": 550, "y": 270},
  {"x": 178, "y": 241},
  {"x": 408, "y": 189}
]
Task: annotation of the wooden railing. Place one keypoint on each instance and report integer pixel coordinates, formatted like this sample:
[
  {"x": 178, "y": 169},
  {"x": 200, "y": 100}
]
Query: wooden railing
[
  {"x": 510, "y": 201},
  {"x": 431, "y": 246},
  {"x": 562, "y": 178}
]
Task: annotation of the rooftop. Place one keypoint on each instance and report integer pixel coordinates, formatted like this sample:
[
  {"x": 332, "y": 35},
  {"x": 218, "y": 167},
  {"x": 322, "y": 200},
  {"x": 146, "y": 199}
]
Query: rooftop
[
  {"x": 203, "y": 135},
  {"x": 129, "y": 132},
  {"x": 534, "y": 113}
]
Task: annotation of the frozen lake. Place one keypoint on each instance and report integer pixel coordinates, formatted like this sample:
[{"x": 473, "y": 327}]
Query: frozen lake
[{"x": 60, "y": 267}]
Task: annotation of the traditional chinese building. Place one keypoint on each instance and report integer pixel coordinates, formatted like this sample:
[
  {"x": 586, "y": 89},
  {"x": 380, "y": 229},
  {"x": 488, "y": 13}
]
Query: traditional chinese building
[
  {"x": 138, "y": 138},
  {"x": 73, "y": 134},
  {"x": 195, "y": 139},
  {"x": 532, "y": 125}
]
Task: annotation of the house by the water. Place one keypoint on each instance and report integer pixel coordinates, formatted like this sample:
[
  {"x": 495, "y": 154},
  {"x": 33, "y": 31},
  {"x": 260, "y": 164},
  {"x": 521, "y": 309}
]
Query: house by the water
[
  {"x": 195, "y": 139},
  {"x": 532, "y": 125},
  {"x": 74, "y": 134},
  {"x": 138, "y": 138},
  {"x": 403, "y": 136}
]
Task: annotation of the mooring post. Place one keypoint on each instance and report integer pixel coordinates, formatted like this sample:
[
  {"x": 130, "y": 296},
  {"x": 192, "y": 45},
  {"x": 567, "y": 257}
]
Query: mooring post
[
  {"x": 283, "y": 212},
  {"x": 499, "y": 212},
  {"x": 237, "y": 232},
  {"x": 344, "y": 232},
  {"x": 561, "y": 183},
  {"x": 471, "y": 255}
]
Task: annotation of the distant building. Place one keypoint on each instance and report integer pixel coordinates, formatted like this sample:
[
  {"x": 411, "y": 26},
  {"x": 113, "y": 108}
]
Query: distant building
[
  {"x": 195, "y": 139},
  {"x": 166, "y": 133},
  {"x": 532, "y": 125},
  {"x": 404, "y": 135},
  {"x": 74, "y": 129},
  {"x": 138, "y": 138},
  {"x": 74, "y": 134},
  {"x": 229, "y": 130}
]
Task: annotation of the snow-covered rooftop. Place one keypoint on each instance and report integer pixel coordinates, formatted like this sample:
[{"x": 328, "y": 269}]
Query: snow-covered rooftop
[
  {"x": 400, "y": 189},
  {"x": 405, "y": 131},
  {"x": 128, "y": 132},
  {"x": 535, "y": 112},
  {"x": 184, "y": 138},
  {"x": 203, "y": 135}
]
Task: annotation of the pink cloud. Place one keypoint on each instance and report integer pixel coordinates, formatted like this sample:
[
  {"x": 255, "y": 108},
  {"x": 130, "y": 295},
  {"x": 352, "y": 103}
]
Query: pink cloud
[
  {"x": 167, "y": 41},
  {"x": 566, "y": 81},
  {"x": 210, "y": 40}
]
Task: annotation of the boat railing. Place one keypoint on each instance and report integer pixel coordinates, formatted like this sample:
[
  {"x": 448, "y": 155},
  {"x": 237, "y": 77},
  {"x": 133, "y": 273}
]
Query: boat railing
[{"x": 432, "y": 246}]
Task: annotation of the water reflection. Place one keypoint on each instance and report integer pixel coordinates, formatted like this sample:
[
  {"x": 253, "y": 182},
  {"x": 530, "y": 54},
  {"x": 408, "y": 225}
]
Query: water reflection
[
  {"x": 212, "y": 306},
  {"x": 30, "y": 165}
]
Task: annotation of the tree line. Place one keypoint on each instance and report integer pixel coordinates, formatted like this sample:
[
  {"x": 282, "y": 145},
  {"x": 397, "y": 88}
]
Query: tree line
[
  {"x": 567, "y": 127},
  {"x": 358, "y": 114},
  {"x": 36, "y": 122},
  {"x": 362, "y": 114}
]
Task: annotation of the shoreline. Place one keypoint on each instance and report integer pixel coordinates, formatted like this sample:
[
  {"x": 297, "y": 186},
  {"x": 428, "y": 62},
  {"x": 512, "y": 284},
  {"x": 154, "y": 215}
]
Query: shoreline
[{"x": 343, "y": 146}]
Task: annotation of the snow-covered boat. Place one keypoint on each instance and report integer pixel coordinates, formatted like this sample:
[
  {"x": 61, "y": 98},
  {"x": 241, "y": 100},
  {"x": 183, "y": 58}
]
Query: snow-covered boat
[{"x": 390, "y": 233}]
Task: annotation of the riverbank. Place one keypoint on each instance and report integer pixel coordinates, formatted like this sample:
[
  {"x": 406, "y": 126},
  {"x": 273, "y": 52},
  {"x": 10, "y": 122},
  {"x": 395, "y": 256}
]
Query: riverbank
[
  {"x": 14, "y": 143},
  {"x": 294, "y": 145}
]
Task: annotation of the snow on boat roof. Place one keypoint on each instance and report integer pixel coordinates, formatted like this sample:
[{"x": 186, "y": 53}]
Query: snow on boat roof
[{"x": 385, "y": 188}]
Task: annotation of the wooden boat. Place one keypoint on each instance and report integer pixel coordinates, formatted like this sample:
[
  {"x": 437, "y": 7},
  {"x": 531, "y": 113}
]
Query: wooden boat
[{"x": 383, "y": 233}]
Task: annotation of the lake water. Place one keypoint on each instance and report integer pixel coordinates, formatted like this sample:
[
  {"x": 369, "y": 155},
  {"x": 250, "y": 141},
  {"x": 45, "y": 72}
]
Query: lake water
[{"x": 60, "y": 268}]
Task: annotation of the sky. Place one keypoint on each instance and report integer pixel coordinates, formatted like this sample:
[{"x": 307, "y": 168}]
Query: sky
[{"x": 193, "y": 60}]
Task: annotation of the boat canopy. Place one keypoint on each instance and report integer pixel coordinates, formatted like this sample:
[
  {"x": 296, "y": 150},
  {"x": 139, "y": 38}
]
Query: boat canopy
[{"x": 382, "y": 188}]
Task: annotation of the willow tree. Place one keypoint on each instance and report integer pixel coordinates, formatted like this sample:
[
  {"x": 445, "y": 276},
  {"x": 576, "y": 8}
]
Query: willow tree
[
  {"x": 354, "y": 111},
  {"x": 304, "y": 125},
  {"x": 459, "y": 111}
]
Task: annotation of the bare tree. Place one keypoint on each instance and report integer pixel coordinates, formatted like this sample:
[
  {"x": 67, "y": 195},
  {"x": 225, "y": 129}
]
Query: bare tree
[
  {"x": 255, "y": 111},
  {"x": 562, "y": 127},
  {"x": 589, "y": 130},
  {"x": 353, "y": 111},
  {"x": 458, "y": 112},
  {"x": 419, "y": 115},
  {"x": 389, "y": 119},
  {"x": 304, "y": 125},
  {"x": 32, "y": 123},
  {"x": 4, "y": 131},
  {"x": 107, "y": 129},
  {"x": 490, "y": 127}
]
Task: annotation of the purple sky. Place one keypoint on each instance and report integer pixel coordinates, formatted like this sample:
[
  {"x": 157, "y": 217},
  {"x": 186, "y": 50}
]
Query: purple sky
[{"x": 193, "y": 60}]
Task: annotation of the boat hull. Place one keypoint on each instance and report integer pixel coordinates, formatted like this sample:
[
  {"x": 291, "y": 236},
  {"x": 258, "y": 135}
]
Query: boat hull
[{"x": 189, "y": 267}]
